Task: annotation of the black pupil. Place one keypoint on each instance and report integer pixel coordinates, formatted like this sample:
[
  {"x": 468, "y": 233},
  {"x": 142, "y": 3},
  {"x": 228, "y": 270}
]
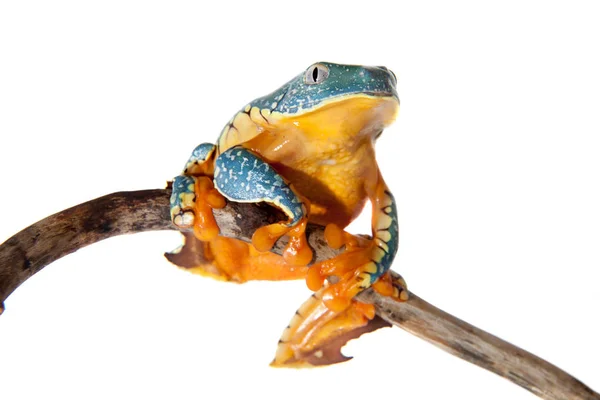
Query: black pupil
[{"x": 315, "y": 74}]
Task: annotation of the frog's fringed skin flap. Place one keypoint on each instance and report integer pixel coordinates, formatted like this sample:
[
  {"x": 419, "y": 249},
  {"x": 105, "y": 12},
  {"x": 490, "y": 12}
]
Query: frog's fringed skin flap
[
  {"x": 316, "y": 334},
  {"x": 330, "y": 351},
  {"x": 195, "y": 257}
]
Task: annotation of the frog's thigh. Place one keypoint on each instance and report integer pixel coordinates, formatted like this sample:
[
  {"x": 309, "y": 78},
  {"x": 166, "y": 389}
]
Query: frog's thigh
[{"x": 242, "y": 176}]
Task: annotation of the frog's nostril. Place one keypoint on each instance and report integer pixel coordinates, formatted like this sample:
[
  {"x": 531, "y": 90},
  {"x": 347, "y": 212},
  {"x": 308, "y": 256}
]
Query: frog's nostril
[{"x": 389, "y": 72}]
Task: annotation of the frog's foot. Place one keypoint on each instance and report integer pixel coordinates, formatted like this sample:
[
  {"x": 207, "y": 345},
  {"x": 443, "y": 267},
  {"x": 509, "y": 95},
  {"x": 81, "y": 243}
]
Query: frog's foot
[
  {"x": 296, "y": 252},
  {"x": 243, "y": 176},
  {"x": 353, "y": 272},
  {"x": 364, "y": 263},
  {"x": 192, "y": 202},
  {"x": 391, "y": 285},
  {"x": 316, "y": 334}
]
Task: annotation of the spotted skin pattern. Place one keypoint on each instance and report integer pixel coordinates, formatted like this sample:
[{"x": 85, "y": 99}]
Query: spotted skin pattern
[
  {"x": 295, "y": 96},
  {"x": 307, "y": 149},
  {"x": 182, "y": 198},
  {"x": 386, "y": 237},
  {"x": 200, "y": 154},
  {"x": 242, "y": 176}
]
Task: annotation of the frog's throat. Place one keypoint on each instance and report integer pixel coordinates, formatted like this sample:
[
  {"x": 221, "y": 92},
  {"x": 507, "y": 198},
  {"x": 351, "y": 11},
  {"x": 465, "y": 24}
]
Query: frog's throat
[{"x": 348, "y": 116}]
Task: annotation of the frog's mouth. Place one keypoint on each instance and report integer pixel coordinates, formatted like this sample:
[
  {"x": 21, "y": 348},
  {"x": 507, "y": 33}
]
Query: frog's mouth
[{"x": 346, "y": 116}]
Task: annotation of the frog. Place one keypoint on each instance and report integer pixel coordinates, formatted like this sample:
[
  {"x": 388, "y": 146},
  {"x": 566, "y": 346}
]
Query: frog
[{"x": 307, "y": 149}]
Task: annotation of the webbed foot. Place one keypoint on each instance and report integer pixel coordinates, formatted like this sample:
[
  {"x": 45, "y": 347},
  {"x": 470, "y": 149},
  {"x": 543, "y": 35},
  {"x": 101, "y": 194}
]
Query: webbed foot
[
  {"x": 361, "y": 265},
  {"x": 296, "y": 252}
]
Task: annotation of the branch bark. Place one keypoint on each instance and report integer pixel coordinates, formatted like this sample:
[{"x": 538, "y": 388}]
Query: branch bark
[{"x": 38, "y": 245}]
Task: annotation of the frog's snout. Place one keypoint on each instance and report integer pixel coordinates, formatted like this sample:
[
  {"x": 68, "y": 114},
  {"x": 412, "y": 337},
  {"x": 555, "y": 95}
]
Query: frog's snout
[
  {"x": 385, "y": 74},
  {"x": 385, "y": 78},
  {"x": 391, "y": 73}
]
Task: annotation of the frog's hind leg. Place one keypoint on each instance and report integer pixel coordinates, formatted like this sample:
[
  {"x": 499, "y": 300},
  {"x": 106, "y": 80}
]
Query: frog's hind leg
[
  {"x": 366, "y": 261},
  {"x": 243, "y": 176},
  {"x": 316, "y": 334}
]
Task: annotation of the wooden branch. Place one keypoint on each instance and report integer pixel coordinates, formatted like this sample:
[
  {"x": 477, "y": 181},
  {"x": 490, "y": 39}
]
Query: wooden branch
[{"x": 33, "y": 248}]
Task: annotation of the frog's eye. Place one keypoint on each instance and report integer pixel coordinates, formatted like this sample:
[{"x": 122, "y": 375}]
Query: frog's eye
[{"x": 316, "y": 74}]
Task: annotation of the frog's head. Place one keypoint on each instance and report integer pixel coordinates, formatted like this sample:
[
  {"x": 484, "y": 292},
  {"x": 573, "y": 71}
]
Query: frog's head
[{"x": 336, "y": 100}]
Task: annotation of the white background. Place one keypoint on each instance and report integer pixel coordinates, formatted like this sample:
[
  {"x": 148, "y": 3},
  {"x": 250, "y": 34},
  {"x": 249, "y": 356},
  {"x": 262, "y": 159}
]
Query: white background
[{"x": 494, "y": 161}]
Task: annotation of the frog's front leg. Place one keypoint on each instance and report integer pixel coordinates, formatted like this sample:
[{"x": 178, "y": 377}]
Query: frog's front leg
[
  {"x": 243, "y": 176},
  {"x": 365, "y": 262},
  {"x": 197, "y": 192},
  {"x": 194, "y": 196}
]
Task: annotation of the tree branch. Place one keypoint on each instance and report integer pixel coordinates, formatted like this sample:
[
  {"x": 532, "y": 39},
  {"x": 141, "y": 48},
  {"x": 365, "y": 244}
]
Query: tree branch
[{"x": 33, "y": 248}]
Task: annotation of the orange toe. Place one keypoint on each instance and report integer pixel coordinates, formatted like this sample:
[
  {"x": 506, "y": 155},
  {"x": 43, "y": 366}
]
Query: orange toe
[
  {"x": 368, "y": 310},
  {"x": 314, "y": 278},
  {"x": 207, "y": 198},
  {"x": 297, "y": 251},
  {"x": 265, "y": 237},
  {"x": 391, "y": 286},
  {"x": 334, "y": 236},
  {"x": 336, "y": 297}
]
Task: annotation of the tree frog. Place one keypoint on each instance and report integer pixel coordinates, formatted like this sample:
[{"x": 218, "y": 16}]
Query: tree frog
[{"x": 308, "y": 149}]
